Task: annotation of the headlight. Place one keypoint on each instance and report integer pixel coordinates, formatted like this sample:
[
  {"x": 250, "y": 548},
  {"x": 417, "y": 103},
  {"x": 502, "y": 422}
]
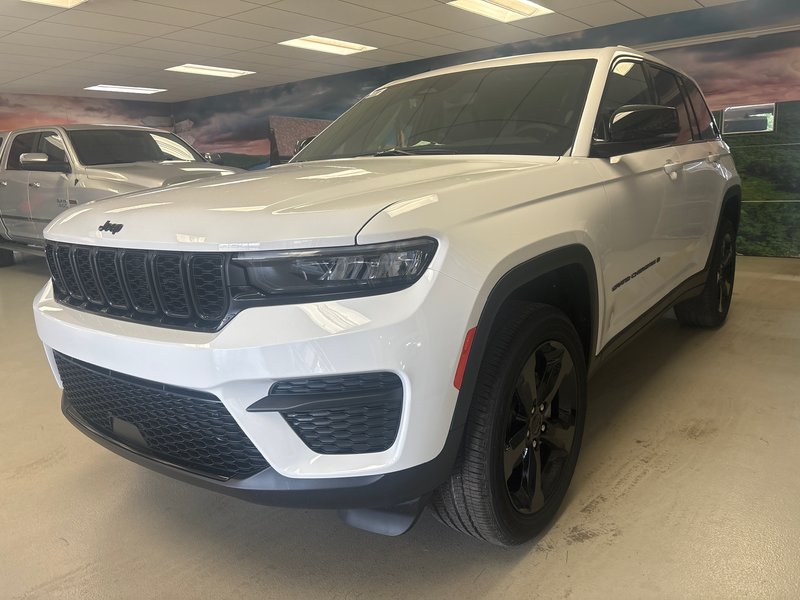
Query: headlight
[{"x": 355, "y": 270}]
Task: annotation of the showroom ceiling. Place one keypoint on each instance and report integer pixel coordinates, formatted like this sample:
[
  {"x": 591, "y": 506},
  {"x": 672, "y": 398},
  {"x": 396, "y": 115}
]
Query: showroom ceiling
[{"x": 49, "y": 50}]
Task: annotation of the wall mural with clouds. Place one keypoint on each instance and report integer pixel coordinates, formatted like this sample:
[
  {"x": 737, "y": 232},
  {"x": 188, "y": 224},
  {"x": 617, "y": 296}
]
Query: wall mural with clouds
[{"x": 734, "y": 72}]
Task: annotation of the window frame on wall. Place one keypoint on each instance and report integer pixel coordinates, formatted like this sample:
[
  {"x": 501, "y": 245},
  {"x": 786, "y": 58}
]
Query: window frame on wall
[{"x": 773, "y": 129}]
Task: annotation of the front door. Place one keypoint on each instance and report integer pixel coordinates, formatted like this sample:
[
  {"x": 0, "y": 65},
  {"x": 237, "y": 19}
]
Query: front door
[
  {"x": 14, "y": 206},
  {"x": 48, "y": 191}
]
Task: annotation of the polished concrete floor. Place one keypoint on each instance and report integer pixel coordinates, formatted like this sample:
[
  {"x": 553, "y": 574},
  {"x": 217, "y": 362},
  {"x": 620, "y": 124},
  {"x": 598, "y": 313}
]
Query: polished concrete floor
[{"x": 688, "y": 487}]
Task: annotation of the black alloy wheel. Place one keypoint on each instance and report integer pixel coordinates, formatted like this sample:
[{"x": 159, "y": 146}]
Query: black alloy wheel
[
  {"x": 523, "y": 433},
  {"x": 710, "y": 308},
  {"x": 725, "y": 272},
  {"x": 541, "y": 427}
]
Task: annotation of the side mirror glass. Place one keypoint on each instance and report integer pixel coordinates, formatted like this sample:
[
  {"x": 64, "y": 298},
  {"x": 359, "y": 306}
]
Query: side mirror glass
[
  {"x": 300, "y": 144},
  {"x": 39, "y": 161},
  {"x": 214, "y": 157},
  {"x": 637, "y": 127}
]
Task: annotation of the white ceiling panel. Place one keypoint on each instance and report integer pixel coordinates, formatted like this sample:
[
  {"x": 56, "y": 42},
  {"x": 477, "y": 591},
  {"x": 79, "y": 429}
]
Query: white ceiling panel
[
  {"x": 13, "y": 23},
  {"x": 263, "y": 59},
  {"x": 289, "y": 21},
  {"x": 145, "y": 11},
  {"x": 187, "y": 48},
  {"x": 717, "y": 2},
  {"x": 562, "y": 5},
  {"x": 210, "y": 7},
  {"x": 407, "y": 28},
  {"x": 359, "y": 35},
  {"x": 330, "y": 10},
  {"x": 153, "y": 54},
  {"x": 195, "y": 36},
  {"x": 462, "y": 41},
  {"x": 449, "y": 17},
  {"x": 605, "y": 13},
  {"x": 100, "y": 22},
  {"x": 10, "y": 51},
  {"x": 45, "y": 41},
  {"x": 393, "y": 7},
  {"x": 57, "y": 51},
  {"x": 26, "y": 10},
  {"x": 553, "y": 24},
  {"x": 251, "y": 31},
  {"x": 422, "y": 49},
  {"x": 504, "y": 34},
  {"x": 651, "y": 8}
]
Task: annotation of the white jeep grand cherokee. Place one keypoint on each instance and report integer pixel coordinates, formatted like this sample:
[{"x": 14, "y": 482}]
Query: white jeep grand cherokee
[{"x": 407, "y": 312}]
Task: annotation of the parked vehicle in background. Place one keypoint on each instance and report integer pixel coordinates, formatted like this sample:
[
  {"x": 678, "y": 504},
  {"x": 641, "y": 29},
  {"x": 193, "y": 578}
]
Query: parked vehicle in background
[
  {"x": 406, "y": 314},
  {"x": 46, "y": 170}
]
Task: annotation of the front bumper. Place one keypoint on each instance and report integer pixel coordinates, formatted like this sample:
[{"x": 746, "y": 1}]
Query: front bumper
[{"x": 416, "y": 333}]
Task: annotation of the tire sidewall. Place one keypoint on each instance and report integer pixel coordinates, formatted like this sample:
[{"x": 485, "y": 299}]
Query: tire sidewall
[{"x": 551, "y": 325}]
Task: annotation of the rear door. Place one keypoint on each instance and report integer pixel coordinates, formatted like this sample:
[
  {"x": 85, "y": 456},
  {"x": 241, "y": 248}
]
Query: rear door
[
  {"x": 706, "y": 173},
  {"x": 685, "y": 220},
  {"x": 48, "y": 192},
  {"x": 643, "y": 188},
  {"x": 14, "y": 205}
]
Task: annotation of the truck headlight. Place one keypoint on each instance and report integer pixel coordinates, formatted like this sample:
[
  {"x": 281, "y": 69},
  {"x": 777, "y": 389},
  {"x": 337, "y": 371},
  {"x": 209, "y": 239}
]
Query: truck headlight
[{"x": 354, "y": 270}]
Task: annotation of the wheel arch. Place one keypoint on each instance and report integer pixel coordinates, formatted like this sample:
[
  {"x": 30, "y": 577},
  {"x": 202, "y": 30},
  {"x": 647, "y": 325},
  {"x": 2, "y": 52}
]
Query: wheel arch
[{"x": 566, "y": 278}]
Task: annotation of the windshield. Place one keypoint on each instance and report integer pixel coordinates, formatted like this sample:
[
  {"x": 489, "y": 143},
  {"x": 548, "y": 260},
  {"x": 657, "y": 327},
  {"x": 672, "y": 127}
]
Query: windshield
[
  {"x": 519, "y": 109},
  {"x": 112, "y": 146}
]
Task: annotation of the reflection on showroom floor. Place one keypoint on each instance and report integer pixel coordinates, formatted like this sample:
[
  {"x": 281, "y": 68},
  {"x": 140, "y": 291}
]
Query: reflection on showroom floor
[{"x": 687, "y": 486}]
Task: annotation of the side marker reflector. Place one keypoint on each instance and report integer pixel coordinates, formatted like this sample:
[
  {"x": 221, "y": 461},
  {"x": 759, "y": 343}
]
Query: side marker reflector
[{"x": 462, "y": 360}]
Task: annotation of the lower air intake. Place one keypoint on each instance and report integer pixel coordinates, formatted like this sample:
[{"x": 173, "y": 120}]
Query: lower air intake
[{"x": 183, "y": 427}]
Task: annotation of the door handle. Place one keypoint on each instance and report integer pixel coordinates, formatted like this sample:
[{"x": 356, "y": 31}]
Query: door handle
[
  {"x": 671, "y": 169},
  {"x": 713, "y": 158},
  {"x": 35, "y": 184},
  {"x": 4, "y": 183}
]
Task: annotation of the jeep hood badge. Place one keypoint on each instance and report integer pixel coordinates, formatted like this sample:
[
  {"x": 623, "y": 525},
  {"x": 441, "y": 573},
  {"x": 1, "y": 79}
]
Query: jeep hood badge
[{"x": 109, "y": 226}]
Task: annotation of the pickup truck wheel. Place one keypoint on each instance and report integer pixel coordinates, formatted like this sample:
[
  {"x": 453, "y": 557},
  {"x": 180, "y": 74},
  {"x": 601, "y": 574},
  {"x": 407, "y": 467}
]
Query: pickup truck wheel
[
  {"x": 710, "y": 308},
  {"x": 6, "y": 258},
  {"x": 524, "y": 431}
]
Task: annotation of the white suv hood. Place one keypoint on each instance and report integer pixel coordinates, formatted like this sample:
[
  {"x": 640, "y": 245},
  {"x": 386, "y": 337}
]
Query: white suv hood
[{"x": 300, "y": 205}]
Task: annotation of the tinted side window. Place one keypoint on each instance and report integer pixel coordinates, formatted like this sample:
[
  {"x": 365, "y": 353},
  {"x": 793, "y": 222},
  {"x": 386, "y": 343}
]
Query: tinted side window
[
  {"x": 668, "y": 93},
  {"x": 50, "y": 143},
  {"x": 626, "y": 84},
  {"x": 20, "y": 145},
  {"x": 708, "y": 129}
]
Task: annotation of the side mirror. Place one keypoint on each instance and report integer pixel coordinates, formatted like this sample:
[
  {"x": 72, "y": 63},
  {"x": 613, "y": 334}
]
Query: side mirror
[
  {"x": 214, "y": 157},
  {"x": 300, "y": 144},
  {"x": 637, "y": 127},
  {"x": 39, "y": 161}
]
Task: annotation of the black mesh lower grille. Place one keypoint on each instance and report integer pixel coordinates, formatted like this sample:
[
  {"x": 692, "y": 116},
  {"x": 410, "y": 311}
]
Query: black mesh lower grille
[
  {"x": 184, "y": 427},
  {"x": 345, "y": 424}
]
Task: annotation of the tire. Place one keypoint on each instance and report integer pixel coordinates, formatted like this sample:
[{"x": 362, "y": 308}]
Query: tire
[
  {"x": 710, "y": 308},
  {"x": 511, "y": 476},
  {"x": 6, "y": 258}
]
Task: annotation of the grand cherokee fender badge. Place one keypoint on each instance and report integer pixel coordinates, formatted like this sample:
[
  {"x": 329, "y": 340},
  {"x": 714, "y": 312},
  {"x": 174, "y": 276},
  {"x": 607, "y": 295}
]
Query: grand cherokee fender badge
[{"x": 109, "y": 226}]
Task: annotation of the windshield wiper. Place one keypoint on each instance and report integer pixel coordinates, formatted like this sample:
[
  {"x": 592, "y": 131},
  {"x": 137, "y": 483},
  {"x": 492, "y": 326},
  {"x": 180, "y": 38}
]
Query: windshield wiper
[
  {"x": 411, "y": 150},
  {"x": 393, "y": 152}
]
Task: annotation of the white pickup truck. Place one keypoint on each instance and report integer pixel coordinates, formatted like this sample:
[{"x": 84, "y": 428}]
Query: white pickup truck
[{"x": 45, "y": 170}]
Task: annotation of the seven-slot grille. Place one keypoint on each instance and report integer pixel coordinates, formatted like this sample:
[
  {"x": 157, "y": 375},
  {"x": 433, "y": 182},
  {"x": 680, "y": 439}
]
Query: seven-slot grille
[
  {"x": 176, "y": 289},
  {"x": 180, "y": 426}
]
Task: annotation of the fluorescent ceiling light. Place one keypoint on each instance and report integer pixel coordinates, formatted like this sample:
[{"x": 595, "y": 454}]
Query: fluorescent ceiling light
[
  {"x": 58, "y": 3},
  {"x": 323, "y": 44},
  {"x": 502, "y": 10},
  {"x": 207, "y": 70},
  {"x": 124, "y": 89}
]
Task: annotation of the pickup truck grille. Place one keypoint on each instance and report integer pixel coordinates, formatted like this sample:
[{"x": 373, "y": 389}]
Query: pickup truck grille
[{"x": 175, "y": 289}]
